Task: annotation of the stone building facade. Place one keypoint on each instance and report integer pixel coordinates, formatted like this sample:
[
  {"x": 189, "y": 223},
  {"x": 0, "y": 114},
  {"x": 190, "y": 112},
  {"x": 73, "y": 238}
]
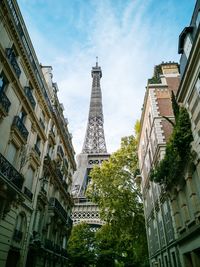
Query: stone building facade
[
  {"x": 155, "y": 131},
  {"x": 186, "y": 198},
  {"x": 36, "y": 153}
]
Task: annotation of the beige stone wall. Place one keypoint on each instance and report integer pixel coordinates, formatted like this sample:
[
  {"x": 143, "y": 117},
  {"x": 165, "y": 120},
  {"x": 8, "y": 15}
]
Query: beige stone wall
[{"x": 29, "y": 209}]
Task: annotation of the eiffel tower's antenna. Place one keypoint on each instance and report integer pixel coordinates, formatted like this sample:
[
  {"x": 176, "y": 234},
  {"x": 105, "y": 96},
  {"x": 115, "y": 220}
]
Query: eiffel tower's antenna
[{"x": 94, "y": 138}]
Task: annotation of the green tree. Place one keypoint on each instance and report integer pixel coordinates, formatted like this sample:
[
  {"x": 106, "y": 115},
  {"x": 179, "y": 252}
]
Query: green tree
[
  {"x": 113, "y": 188},
  {"x": 81, "y": 248}
]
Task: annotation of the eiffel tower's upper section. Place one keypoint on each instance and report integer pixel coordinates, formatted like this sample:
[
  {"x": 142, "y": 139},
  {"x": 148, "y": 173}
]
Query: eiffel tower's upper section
[{"x": 94, "y": 139}]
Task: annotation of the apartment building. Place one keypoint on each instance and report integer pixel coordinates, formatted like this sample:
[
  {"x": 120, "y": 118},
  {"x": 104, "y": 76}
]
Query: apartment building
[
  {"x": 36, "y": 153},
  {"x": 186, "y": 198},
  {"x": 155, "y": 132}
]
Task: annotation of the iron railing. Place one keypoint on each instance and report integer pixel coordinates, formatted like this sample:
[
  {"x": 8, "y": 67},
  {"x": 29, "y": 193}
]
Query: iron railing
[
  {"x": 29, "y": 95},
  {"x": 13, "y": 61},
  {"x": 55, "y": 204},
  {"x": 4, "y": 102},
  {"x": 64, "y": 253},
  {"x": 48, "y": 244},
  {"x": 18, "y": 123},
  {"x": 10, "y": 172},
  {"x": 28, "y": 193}
]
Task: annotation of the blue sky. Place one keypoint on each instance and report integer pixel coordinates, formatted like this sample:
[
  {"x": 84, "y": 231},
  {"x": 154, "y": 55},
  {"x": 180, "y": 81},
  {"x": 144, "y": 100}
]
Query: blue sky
[{"x": 129, "y": 36}]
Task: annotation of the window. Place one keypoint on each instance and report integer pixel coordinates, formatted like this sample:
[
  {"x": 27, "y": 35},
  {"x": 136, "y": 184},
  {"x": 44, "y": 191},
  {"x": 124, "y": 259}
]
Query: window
[
  {"x": 3, "y": 82},
  {"x": 29, "y": 178},
  {"x": 12, "y": 57},
  {"x": 38, "y": 142},
  {"x": 20, "y": 222},
  {"x": 37, "y": 145},
  {"x": 22, "y": 116},
  {"x": 12, "y": 153},
  {"x": 198, "y": 19},
  {"x": 197, "y": 85},
  {"x": 187, "y": 46},
  {"x": 19, "y": 228}
]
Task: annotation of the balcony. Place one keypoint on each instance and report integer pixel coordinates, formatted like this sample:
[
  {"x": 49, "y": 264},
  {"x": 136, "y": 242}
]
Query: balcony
[
  {"x": 10, "y": 172},
  {"x": 57, "y": 249},
  {"x": 20, "y": 127},
  {"x": 64, "y": 253},
  {"x": 28, "y": 193},
  {"x": 55, "y": 204},
  {"x": 29, "y": 95},
  {"x": 37, "y": 150},
  {"x": 17, "y": 235},
  {"x": 48, "y": 244},
  {"x": 13, "y": 61},
  {"x": 4, "y": 104}
]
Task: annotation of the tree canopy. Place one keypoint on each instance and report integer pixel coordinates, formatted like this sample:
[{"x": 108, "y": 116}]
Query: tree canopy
[
  {"x": 81, "y": 246},
  {"x": 113, "y": 188}
]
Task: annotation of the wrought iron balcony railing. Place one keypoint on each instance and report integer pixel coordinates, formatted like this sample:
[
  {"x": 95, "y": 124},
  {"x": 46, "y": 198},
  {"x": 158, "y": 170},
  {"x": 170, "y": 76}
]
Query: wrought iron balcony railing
[
  {"x": 64, "y": 253},
  {"x": 10, "y": 172},
  {"x": 29, "y": 95},
  {"x": 17, "y": 235},
  {"x": 28, "y": 193},
  {"x": 37, "y": 150},
  {"x": 57, "y": 249},
  {"x": 55, "y": 204},
  {"x": 18, "y": 123},
  {"x": 13, "y": 61},
  {"x": 4, "y": 102},
  {"x": 48, "y": 244}
]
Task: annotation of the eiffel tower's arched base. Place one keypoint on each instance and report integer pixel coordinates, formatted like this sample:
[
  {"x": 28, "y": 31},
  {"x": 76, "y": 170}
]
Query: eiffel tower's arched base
[{"x": 86, "y": 211}]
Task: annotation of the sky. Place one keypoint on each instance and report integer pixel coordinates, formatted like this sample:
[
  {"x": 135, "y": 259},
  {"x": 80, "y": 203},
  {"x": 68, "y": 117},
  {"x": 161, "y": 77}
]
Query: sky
[{"x": 129, "y": 37}]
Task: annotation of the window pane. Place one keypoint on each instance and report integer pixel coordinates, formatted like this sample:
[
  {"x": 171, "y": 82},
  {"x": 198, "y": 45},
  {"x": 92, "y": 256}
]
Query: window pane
[
  {"x": 187, "y": 46},
  {"x": 29, "y": 178},
  {"x": 11, "y": 155},
  {"x": 3, "y": 82}
]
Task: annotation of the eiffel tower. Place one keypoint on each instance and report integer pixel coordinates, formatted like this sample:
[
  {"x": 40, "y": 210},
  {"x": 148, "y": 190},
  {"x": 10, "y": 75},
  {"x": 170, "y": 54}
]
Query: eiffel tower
[{"x": 94, "y": 152}]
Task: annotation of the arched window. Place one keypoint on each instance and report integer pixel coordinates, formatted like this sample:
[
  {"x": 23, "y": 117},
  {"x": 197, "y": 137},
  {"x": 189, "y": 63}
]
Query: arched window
[{"x": 19, "y": 227}]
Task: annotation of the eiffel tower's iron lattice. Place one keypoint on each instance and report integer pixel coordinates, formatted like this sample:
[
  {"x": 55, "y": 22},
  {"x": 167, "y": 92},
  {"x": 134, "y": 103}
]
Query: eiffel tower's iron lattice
[
  {"x": 94, "y": 139},
  {"x": 94, "y": 152}
]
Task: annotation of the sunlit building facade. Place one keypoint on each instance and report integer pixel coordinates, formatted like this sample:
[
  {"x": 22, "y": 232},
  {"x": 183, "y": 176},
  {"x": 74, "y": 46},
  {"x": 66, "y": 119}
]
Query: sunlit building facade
[
  {"x": 155, "y": 131},
  {"x": 36, "y": 153},
  {"x": 186, "y": 198}
]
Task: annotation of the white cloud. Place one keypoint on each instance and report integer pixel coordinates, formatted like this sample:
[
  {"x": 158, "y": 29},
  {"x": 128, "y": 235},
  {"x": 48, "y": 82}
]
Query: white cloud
[{"x": 128, "y": 47}]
